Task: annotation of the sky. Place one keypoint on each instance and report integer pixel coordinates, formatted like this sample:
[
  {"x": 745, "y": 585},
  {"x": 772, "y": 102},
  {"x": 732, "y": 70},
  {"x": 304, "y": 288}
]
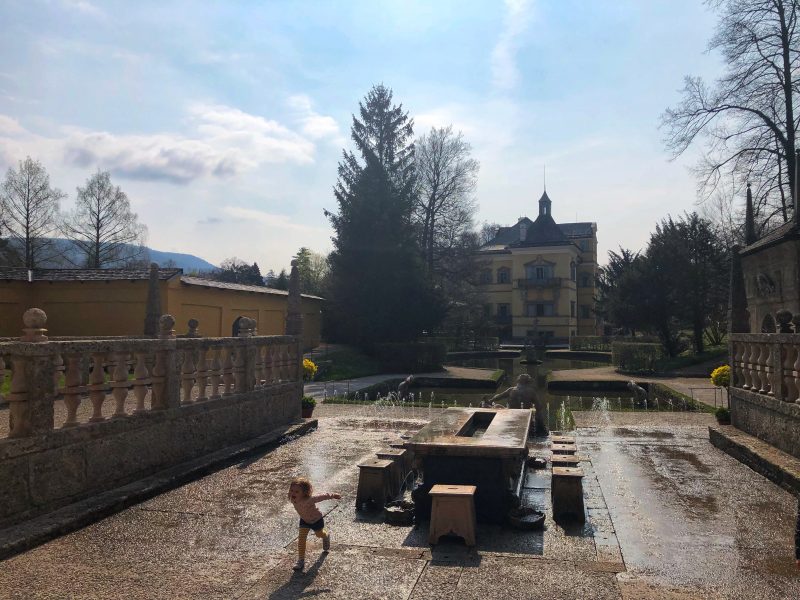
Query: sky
[{"x": 224, "y": 121}]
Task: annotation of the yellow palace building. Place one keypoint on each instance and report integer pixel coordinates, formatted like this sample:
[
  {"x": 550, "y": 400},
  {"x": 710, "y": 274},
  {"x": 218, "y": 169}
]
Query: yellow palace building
[{"x": 539, "y": 278}]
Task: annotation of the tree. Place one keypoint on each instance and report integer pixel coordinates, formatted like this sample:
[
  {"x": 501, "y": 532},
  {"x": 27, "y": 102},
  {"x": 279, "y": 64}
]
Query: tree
[
  {"x": 234, "y": 270},
  {"x": 747, "y": 119},
  {"x": 619, "y": 298},
  {"x": 102, "y": 225},
  {"x": 29, "y": 209},
  {"x": 446, "y": 178},
  {"x": 487, "y": 232},
  {"x": 281, "y": 281},
  {"x": 313, "y": 269},
  {"x": 378, "y": 289}
]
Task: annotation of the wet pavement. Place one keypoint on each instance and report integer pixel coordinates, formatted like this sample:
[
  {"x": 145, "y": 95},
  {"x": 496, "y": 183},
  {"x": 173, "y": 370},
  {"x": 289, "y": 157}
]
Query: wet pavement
[{"x": 669, "y": 516}]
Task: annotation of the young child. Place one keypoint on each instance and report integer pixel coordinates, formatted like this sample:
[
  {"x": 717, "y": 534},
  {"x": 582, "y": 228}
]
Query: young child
[{"x": 310, "y": 517}]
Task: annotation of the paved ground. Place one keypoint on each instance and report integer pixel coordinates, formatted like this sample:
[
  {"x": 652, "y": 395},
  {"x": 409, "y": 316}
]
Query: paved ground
[{"x": 669, "y": 517}]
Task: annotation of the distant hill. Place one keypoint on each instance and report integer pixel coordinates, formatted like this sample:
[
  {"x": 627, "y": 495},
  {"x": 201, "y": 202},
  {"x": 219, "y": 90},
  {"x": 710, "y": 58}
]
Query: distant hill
[{"x": 188, "y": 262}]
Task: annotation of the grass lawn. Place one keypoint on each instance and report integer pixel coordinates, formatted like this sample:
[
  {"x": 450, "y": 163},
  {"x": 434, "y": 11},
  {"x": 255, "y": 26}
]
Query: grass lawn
[
  {"x": 689, "y": 358},
  {"x": 346, "y": 363}
]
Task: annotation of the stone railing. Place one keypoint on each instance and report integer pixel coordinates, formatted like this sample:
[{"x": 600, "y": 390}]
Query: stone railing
[
  {"x": 88, "y": 415},
  {"x": 767, "y": 364}
]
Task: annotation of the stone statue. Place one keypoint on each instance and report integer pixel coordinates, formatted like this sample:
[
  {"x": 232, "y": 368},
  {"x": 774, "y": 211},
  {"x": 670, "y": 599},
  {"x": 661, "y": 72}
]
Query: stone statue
[
  {"x": 639, "y": 393},
  {"x": 523, "y": 395},
  {"x": 402, "y": 389}
]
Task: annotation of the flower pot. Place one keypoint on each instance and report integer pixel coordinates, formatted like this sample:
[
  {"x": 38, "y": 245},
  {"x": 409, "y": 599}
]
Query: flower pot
[{"x": 306, "y": 412}]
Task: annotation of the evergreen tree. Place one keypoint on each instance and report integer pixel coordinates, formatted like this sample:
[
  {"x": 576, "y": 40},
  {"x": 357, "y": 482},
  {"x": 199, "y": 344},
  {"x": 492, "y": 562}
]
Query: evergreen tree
[
  {"x": 281, "y": 281},
  {"x": 378, "y": 289}
]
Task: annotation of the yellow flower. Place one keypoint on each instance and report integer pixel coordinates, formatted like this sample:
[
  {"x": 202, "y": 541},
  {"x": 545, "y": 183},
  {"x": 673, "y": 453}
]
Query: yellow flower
[
  {"x": 721, "y": 376},
  {"x": 309, "y": 368}
]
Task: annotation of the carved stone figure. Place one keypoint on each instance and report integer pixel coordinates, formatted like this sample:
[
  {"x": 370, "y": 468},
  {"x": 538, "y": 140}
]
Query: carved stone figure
[
  {"x": 402, "y": 389},
  {"x": 639, "y": 393},
  {"x": 523, "y": 395}
]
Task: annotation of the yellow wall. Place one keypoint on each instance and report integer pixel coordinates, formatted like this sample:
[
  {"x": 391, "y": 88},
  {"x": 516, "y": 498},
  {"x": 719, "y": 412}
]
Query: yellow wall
[
  {"x": 118, "y": 308},
  {"x": 563, "y": 323}
]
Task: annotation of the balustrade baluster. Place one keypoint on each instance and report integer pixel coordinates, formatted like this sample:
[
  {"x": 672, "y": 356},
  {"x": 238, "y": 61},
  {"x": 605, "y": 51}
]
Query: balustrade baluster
[
  {"x": 216, "y": 372},
  {"x": 736, "y": 367},
  {"x": 752, "y": 372},
  {"x": 269, "y": 364},
  {"x": 73, "y": 388},
  {"x": 790, "y": 392},
  {"x": 18, "y": 417},
  {"x": 140, "y": 381},
  {"x": 187, "y": 376},
  {"x": 259, "y": 367},
  {"x": 765, "y": 370},
  {"x": 97, "y": 387},
  {"x": 796, "y": 371},
  {"x": 239, "y": 369},
  {"x": 58, "y": 363},
  {"x": 227, "y": 372},
  {"x": 119, "y": 383},
  {"x": 202, "y": 374},
  {"x": 159, "y": 390}
]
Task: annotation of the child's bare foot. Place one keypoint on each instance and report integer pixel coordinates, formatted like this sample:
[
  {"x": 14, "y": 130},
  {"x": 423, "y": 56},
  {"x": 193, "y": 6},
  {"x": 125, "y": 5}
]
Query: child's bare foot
[
  {"x": 326, "y": 543},
  {"x": 299, "y": 565}
]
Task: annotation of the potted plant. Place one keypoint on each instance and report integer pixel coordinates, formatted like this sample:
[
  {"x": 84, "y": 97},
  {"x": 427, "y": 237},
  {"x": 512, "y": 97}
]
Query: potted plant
[
  {"x": 307, "y": 406},
  {"x": 309, "y": 369},
  {"x": 721, "y": 377}
]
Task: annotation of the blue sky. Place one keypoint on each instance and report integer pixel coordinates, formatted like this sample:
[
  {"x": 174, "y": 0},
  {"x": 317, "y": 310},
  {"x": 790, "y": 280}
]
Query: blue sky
[{"x": 224, "y": 121}]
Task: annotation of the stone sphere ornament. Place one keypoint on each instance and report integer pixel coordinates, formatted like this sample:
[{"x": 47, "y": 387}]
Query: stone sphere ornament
[{"x": 34, "y": 318}]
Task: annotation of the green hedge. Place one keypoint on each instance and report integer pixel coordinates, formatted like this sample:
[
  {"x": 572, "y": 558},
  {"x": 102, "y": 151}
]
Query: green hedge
[
  {"x": 603, "y": 343},
  {"x": 635, "y": 357},
  {"x": 456, "y": 344},
  {"x": 411, "y": 357}
]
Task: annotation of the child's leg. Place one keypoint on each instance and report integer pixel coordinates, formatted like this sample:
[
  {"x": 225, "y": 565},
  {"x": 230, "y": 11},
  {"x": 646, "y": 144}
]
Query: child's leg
[
  {"x": 301, "y": 543},
  {"x": 326, "y": 538}
]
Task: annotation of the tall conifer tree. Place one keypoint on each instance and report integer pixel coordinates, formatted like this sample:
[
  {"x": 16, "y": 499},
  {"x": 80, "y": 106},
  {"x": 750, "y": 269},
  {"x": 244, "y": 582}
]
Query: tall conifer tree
[{"x": 378, "y": 288}]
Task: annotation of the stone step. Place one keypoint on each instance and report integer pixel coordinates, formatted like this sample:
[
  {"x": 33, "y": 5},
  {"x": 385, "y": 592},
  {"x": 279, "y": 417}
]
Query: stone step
[{"x": 779, "y": 467}]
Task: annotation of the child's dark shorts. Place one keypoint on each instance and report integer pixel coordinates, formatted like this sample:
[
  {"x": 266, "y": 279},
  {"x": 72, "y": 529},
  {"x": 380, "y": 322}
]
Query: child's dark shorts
[{"x": 315, "y": 526}]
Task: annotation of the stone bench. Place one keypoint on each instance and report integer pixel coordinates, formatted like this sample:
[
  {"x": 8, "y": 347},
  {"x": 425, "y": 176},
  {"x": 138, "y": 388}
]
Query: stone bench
[
  {"x": 375, "y": 485},
  {"x": 566, "y": 493},
  {"x": 453, "y": 512},
  {"x": 564, "y": 448},
  {"x": 398, "y": 467},
  {"x": 562, "y": 439},
  {"x": 566, "y": 460}
]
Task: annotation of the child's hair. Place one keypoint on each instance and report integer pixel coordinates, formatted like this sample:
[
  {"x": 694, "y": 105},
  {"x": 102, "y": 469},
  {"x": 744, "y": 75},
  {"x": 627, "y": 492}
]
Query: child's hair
[{"x": 304, "y": 484}]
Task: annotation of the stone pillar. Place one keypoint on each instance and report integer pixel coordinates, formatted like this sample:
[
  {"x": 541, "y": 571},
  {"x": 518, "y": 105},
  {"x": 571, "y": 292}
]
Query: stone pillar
[
  {"x": 153, "y": 312},
  {"x": 749, "y": 219},
  {"x": 31, "y": 397},
  {"x": 738, "y": 319},
  {"x": 172, "y": 364},
  {"x": 294, "y": 314}
]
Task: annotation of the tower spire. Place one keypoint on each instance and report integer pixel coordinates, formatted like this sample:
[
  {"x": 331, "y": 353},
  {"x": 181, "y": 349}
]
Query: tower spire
[{"x": 749, "y": 219}]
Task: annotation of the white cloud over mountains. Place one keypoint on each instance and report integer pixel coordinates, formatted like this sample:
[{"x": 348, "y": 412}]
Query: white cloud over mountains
[{"x": 220, "y": 141}]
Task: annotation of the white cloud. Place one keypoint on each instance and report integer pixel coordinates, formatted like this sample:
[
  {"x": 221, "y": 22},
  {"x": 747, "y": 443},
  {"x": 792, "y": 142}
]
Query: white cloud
[
  {"x": 270, "y": 220},
  {"x": 83, "y": 6},
  {"x": 313, "y": 124},
  {"x": 222, "y": 142},
  {"x": 504, "y": 68}
]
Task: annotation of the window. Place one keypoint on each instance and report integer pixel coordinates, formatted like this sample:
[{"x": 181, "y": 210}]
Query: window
[
  {"x": 486, "y": 276},
  {"x": 539, "y": 273},
  {"x": 503, "y": 276},
  {"x": 586, "y": 311},
  {"x": 572, "y": 271},
  {"x": 539, "y": 309},
  {"x": 584, "y": 280},
  {"x": 503, "y": 310},
  {"x": 572, "y": 308}
]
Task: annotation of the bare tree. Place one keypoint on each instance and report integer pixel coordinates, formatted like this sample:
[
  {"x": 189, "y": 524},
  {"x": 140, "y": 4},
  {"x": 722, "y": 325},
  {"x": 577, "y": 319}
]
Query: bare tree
[
  {"x": 747, "y": 119},
  {"x": 487, "y": 232},
  {"x": 103, "y": 227},
  {"x": 29, "y": 209},
  {"x": 446, "y": 179}
]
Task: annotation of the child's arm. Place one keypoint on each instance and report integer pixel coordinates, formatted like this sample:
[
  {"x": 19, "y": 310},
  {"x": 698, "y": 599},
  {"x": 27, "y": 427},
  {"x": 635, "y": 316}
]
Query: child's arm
[{"x": 322, "y": 497}]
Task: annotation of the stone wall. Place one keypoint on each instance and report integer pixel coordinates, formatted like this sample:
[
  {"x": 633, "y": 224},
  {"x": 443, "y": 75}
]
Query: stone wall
[
  {"x": 771, "y": 420},
  {"x": 772, "y": 282},
  {"x": 87, "y": 416}
]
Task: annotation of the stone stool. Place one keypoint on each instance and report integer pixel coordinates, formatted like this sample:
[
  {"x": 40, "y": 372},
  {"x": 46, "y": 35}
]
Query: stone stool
[
  {"x": 564, "y": 448},
  {"x": 562, "y": 439},
  {"x": 398, "y": 471},
  {"x": 567, "y": 493},
  {"x": 407, "y": 457},
  {"x": 566, "y": 460},
  {"x": 374, "y": 482},
  {"x": 453, "y": 512}
]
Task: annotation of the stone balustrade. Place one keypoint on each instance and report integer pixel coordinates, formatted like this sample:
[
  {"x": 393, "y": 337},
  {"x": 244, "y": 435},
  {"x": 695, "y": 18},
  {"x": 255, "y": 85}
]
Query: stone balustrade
[
  {"x": 159, "y": 374},
  {"x": 767, "y": 364},
  {"x": 88, "y": 415}
]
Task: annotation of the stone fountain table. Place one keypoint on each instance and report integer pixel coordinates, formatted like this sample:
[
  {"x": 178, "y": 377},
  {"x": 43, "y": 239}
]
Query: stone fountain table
[{"x": 473, "y": 446}]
